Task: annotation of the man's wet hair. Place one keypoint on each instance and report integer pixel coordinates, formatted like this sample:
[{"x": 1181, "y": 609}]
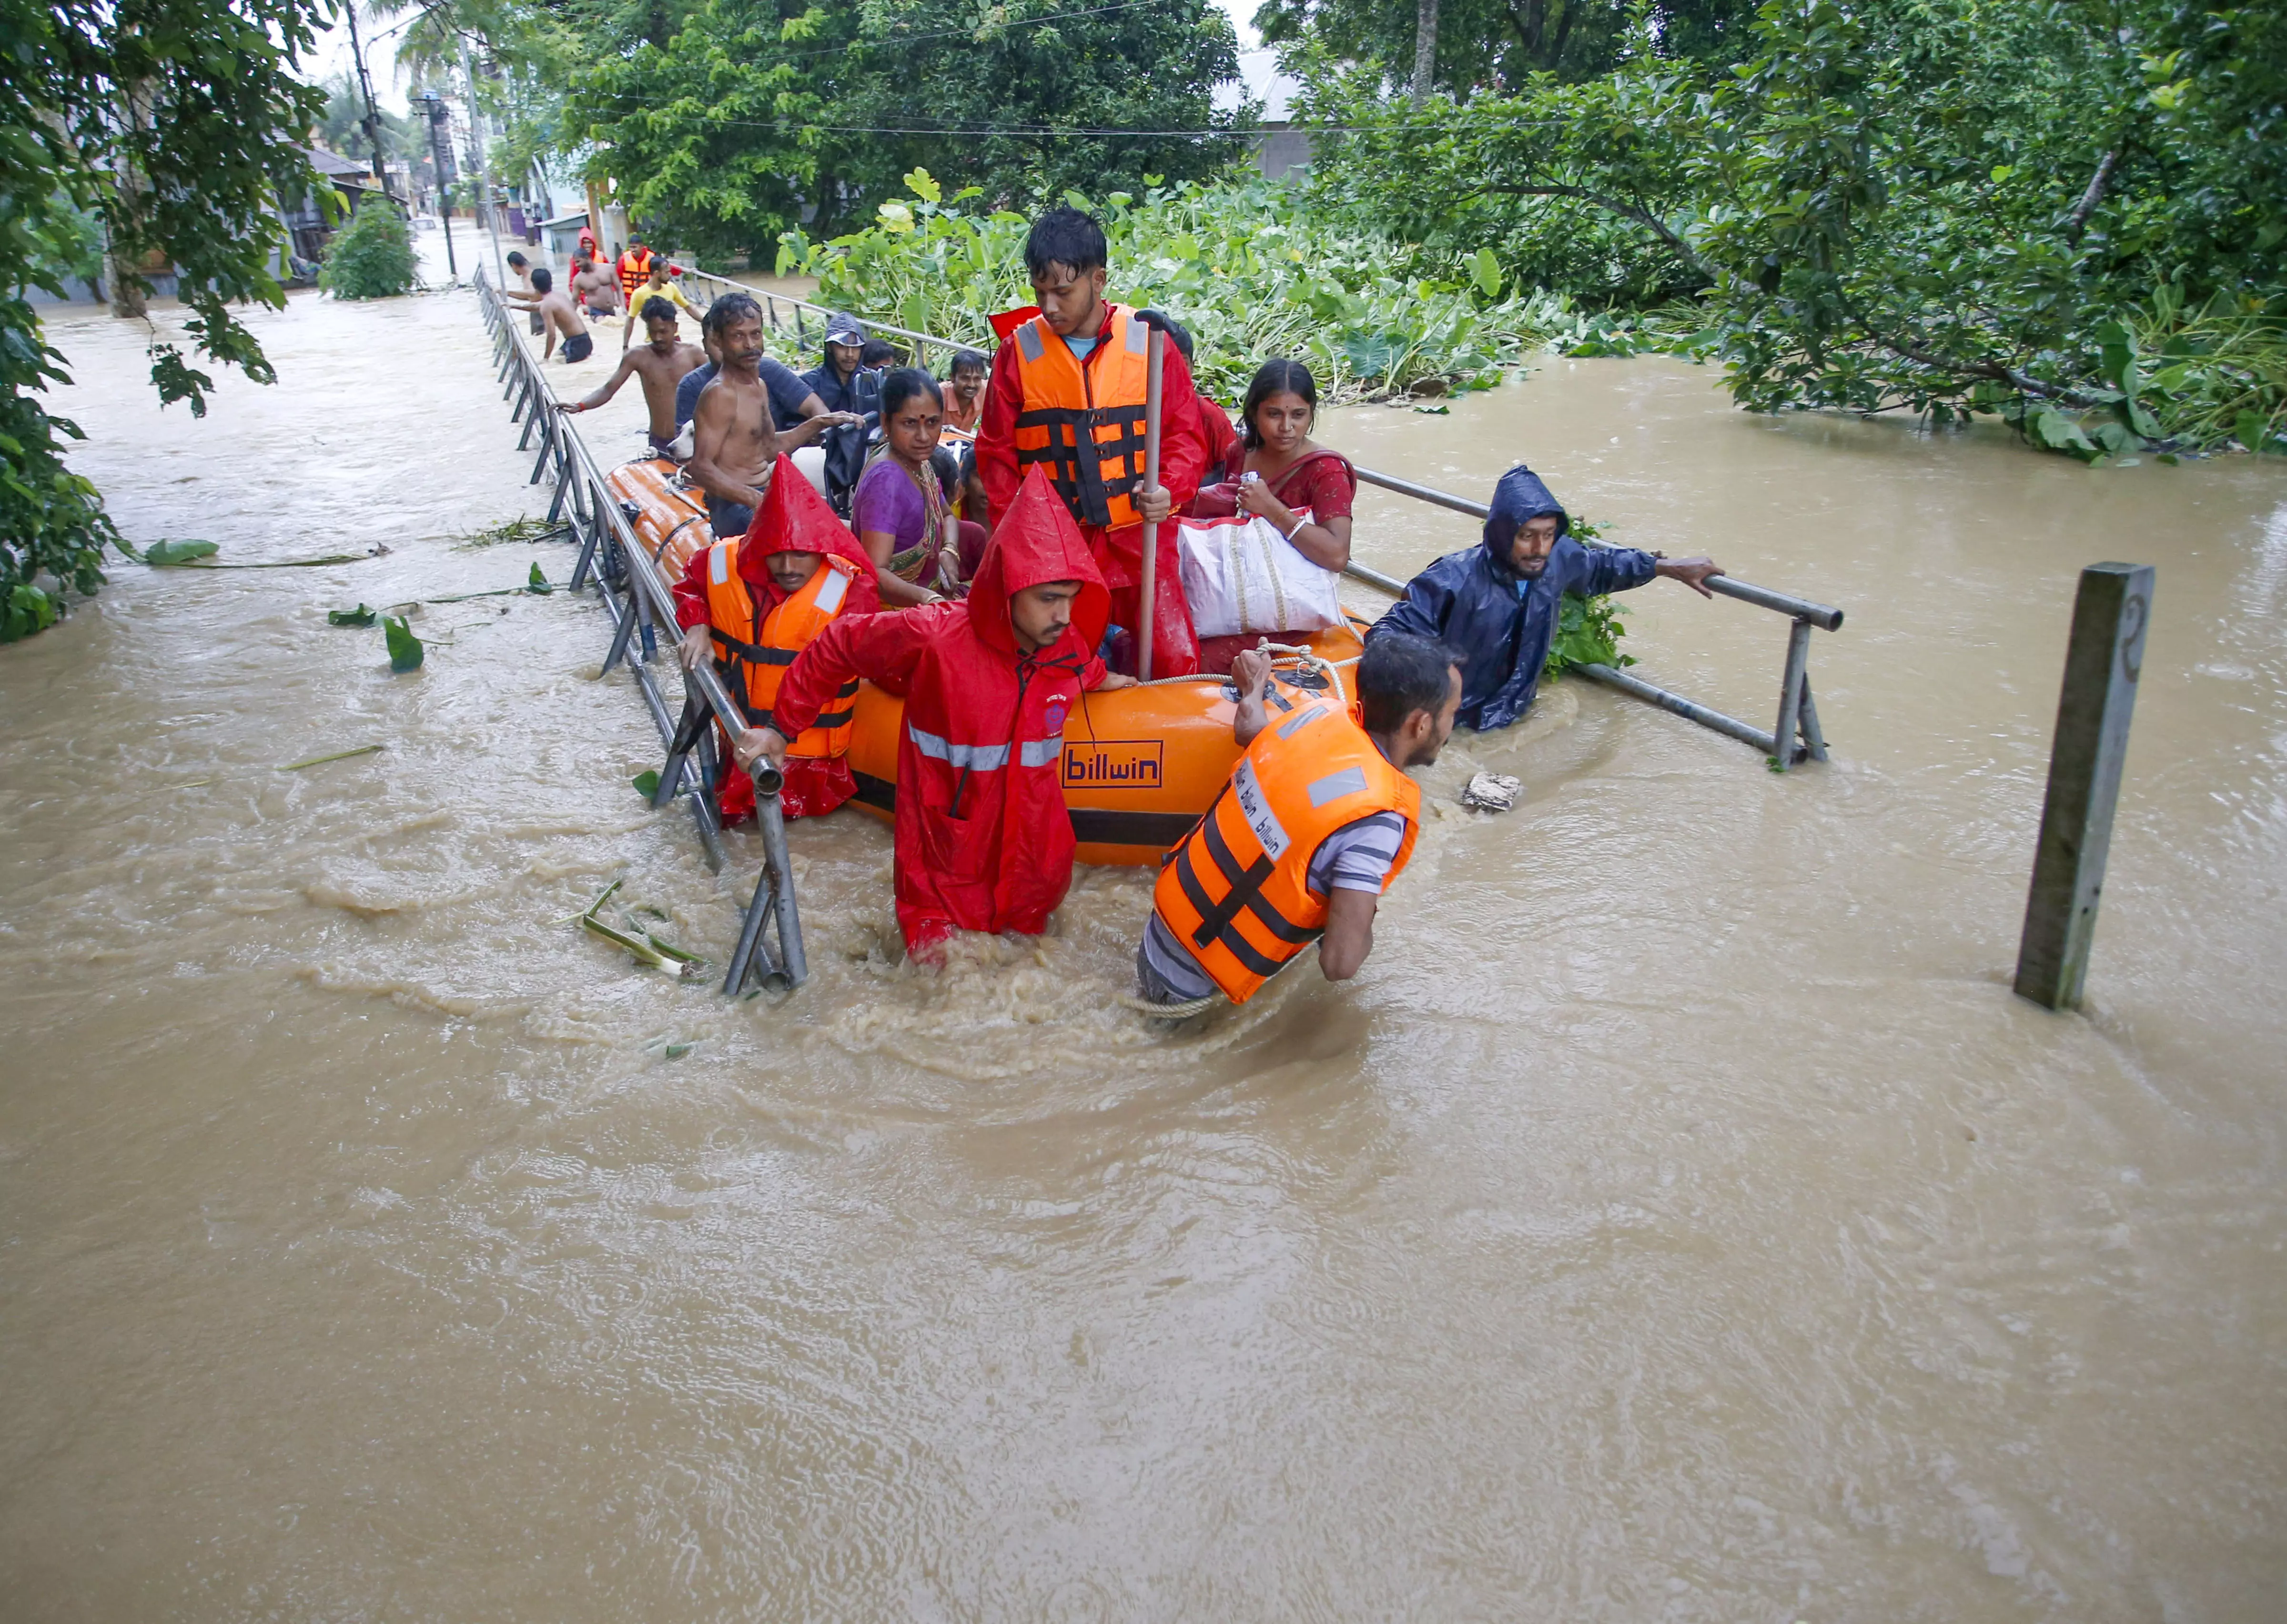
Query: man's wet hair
[
  {"x": 1400, "y": 674},
  {"x": 541, "y": 280},
  {"x": 902, "y": 386},
  {"x": 1177, "y": 333},
  {"x": 968, "y": 360},
  {"x": 657, "y": 309},
  {"x": 1065, "y": 236},
  {"x": 518, "y": 261},
  {"x": 730, "y": 307},
  {"x": 878, "y": 353}
]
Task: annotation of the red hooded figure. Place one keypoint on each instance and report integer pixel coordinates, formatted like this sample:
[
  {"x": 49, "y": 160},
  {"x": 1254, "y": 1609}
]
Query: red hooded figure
[
  {"x": 984, "y": 840},
  {"x": 761, "y": 618}
]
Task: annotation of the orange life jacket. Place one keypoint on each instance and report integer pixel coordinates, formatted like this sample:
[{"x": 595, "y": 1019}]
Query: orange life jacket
[
  {"x": 634, "y": 271},
  {"x": 752, "y": 668},
  {"x": 1236, "y": 890},
  {"x": 1085, "y": 423}
]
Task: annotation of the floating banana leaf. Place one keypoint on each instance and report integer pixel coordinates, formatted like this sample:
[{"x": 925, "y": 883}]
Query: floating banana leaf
[
  {"x": 359, "y": 616},
  {"x": 405, "y": 652},
  {"x": 537, "y": 581},
  {"x": 320, "y": 761}
]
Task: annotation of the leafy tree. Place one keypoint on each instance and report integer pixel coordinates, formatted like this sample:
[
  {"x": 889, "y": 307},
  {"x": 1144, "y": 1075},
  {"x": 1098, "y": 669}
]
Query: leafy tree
[
  {"x": 342, "y": 129},
  {"x": 756, "y": 116},
  {"x": 372, "y": 256},
  {"x": 169, "y": 119},
  {"x": 1491, "y": 44},
  {"x": 1938, "y": 204}
]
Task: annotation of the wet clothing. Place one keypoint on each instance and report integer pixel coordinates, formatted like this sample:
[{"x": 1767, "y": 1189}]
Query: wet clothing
[
  {"x": 1118, "y": 552},
  {"x": 1355, "y": 857},
  {"x": 861, "y": 395},
  {"x": 1245, "y": 892},
  {"x": 912, "y": 514},
  {"x": 728, "y": 520},
  {"x": 799, "y": 521},
  {"x": 579, "y": 346},
  {"x": 673, "y": 295},
  {"x": 786, "y": 392},
  {"x": 1226, "y": 449},
  {"x": 661, "y": 446},
  {"x": 1502, "y": 622},
  {"x": 983, "y": 841},
  {"x": 635, "y": 269}
]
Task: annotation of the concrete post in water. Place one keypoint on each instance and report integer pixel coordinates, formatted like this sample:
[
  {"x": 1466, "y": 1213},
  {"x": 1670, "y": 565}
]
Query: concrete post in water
[
  {"x": 2103, "y": 660},
  {"x": 1156, "y": 354}
]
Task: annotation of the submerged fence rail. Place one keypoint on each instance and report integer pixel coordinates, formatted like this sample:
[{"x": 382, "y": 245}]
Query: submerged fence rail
[
  {"x": 1796, "y": 723},
  {"x": 638, "y": 600}
]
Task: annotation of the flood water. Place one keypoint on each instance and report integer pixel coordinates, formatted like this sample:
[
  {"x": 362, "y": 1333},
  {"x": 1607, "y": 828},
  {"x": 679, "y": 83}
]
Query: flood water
[{"x": 1679, "y": 1219}]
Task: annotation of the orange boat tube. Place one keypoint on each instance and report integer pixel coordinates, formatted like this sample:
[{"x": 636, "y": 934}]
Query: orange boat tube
[{"x": 1139, "y": 765}]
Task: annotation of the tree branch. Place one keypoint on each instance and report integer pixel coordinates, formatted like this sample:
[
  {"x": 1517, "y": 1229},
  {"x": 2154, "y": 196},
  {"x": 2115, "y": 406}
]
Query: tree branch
[
  {"x": 1627, "y": 211},
  {"x": 1992, "y": 371},
  {"x": 2077, "y": 222}
]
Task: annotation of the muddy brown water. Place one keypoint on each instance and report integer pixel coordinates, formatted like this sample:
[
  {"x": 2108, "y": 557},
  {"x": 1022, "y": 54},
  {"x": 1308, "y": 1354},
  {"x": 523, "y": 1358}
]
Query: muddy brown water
[{"x": 1679, "y": 1219}]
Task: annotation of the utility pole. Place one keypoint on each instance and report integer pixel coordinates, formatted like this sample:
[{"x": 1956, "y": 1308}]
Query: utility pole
[
  {"x": 438, "y": 114},
  {"x": 477, "y": 139},
  {"x": 372, "y": 120},
  {"x": 1425, "y": 48}
]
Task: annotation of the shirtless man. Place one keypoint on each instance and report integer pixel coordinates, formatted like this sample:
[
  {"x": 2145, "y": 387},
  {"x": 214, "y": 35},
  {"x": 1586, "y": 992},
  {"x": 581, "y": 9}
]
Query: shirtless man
[
  {"x": 596, "y": 287},
  {"x": 661, "y": 364},
  {"x": 735, "y": 442},
  {"x": 557, "y": 312}
]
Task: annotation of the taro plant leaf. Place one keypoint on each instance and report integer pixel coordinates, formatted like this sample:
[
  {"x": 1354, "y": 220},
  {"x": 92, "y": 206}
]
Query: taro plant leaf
[
  {"x": 164, "y": 553},
  {"x": 405, "y": 651},
  {"x": 646, "y": 782},
  {"x": 2253, "y": 432},
  {"x": 359, "y": 616},
  {"x": 1486, "y": 270},
  {"x": 537, "y": 581}
]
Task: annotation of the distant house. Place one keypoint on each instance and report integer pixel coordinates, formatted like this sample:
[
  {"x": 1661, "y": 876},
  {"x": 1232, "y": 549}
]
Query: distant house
[
  {"x": 306, "y": 221},
  {"x": 1280, "y": 148}
]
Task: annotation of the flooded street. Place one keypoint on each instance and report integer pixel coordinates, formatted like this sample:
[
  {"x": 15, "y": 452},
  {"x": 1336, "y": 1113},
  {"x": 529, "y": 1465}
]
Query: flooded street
[{"x": 1679, "y": 1219}]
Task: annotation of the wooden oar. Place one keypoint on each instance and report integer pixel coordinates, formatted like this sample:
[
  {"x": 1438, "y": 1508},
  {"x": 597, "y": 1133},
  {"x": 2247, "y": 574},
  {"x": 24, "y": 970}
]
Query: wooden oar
[{"x": 1156, "y": 354}]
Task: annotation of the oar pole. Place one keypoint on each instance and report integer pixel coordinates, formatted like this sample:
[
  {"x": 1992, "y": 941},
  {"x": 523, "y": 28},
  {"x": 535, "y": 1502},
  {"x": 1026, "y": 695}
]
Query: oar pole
[{"x": 1156, "y": 354}]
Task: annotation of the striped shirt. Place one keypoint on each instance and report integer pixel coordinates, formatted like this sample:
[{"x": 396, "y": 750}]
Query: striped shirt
[{"x": 1355, "y": 857}]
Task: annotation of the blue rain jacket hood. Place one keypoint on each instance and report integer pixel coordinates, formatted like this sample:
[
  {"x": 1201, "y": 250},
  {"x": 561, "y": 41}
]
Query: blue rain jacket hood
[{"x": 1500, "y": 621}]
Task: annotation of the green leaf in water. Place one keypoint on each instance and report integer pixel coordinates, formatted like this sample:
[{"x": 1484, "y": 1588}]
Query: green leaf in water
[
  {"x": 320, "y": 761},
  {"x": 164, "y": 553},
  {"x": 646, "y": 782},
  {"x": 405, "y": 652},
  {"x": 359, "y": 616},
  {"x": 537, "y": 581}
]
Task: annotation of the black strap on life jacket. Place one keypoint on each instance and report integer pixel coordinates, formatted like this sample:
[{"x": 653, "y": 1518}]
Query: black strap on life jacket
[
  {"x": 1244, "y": 895},
  {"x": 1076, "y": 457}
]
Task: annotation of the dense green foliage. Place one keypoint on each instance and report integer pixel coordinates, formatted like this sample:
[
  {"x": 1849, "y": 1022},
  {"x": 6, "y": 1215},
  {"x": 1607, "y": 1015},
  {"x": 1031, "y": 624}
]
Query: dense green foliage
[
  {"x": 166, "y": 118},
  {"x": 371, "y": 258},
  {"x": 1248, "y": 271},
  {"x": 1483, "y": 45},
  {"x": 2067, "y": 214}
]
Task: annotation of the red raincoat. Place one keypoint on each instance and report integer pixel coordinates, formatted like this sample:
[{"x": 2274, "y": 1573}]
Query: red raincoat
[
  {"x": 1184, "y": 456},
  {"x": 794, "y": 517},
  {"x": 984, "y": 840}
]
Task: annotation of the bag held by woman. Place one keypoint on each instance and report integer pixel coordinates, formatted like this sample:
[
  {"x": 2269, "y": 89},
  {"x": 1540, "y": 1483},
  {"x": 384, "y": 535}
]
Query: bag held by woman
[{"x": 1243, "y": 577}]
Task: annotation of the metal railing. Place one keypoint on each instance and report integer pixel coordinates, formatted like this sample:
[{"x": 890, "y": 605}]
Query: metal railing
[
  {"x": 638, "y": 598},
  {"x": 770, "y": 303},
  {"x": 1796, "y": 721}
]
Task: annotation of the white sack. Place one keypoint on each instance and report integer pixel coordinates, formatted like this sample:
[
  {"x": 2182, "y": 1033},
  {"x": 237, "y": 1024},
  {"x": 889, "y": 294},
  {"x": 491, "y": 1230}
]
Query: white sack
[{"x": 1241, "y": 576}]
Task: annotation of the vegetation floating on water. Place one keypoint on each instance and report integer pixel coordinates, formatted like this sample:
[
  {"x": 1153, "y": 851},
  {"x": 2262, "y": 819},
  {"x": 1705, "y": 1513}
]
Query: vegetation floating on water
[
  {"x": 637, "y": 939},
  {"x": 520, "y": 532},
  {"x": 320, "y": 761},
  {"x": 404, "y": 649},
  {"x": 359, "y": 616}
]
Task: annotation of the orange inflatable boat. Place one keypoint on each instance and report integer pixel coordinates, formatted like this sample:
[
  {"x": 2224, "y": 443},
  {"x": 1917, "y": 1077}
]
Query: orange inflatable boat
[{"x": 1139, "y": 765}]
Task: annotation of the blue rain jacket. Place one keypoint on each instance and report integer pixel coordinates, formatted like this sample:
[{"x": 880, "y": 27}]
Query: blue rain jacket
[{"x": 1503, "y": 623}]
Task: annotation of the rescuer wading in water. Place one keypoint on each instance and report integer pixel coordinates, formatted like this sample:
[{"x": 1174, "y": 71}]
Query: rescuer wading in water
[
  {"x": 1067, "y": 396},
  {"x": 983, "y": 841},
  {"x": 1317, "y": 819}
]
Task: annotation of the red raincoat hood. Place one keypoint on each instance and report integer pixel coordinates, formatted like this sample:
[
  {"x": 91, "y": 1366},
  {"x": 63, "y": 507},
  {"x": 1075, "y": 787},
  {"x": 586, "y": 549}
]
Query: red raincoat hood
[
  {"x": 794, "y": 517},
  {"x": 1037, "y": 542}
]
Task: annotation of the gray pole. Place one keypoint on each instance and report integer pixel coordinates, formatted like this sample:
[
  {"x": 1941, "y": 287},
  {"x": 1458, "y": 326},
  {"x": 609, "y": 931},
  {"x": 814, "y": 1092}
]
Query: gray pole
[
  {"x": 2103, "y": 660},
  {"x": 484, "y": 164},
  {"x": 436, "y": 108}
]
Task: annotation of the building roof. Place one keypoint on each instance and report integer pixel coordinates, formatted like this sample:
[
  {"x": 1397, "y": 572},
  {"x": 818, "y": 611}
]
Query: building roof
[{"x": 333, "y": 163}]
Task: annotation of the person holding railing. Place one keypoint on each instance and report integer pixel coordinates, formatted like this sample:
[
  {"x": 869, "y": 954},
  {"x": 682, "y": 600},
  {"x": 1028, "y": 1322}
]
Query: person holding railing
[
  {"x": 752, "y": 606},
  {"x": 661, "y": 364},
  {"x": 558, "y": 315},
  {"x": 1499, "y": 602},
  {"x": 984, "y": 840},
  {"x": 735, "y": 442}
]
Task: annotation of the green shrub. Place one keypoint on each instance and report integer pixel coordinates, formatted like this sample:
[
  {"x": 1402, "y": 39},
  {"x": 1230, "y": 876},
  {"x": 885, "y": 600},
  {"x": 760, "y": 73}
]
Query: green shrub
[{"x": 371, "y": 258}]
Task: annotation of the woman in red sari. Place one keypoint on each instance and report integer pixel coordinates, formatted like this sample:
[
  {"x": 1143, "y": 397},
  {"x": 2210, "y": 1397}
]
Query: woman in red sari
[{"x": 1297, "y": 477}]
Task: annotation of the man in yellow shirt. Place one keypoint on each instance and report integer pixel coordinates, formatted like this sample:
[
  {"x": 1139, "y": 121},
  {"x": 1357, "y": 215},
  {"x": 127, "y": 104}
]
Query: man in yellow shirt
[{"x": 657, "y": 287}]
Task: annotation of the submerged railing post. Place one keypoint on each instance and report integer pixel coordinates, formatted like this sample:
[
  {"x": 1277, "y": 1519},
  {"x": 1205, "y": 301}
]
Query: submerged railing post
[
  {"x": 773, "y": 900},
  {"x": 2104, "y": 661}
]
